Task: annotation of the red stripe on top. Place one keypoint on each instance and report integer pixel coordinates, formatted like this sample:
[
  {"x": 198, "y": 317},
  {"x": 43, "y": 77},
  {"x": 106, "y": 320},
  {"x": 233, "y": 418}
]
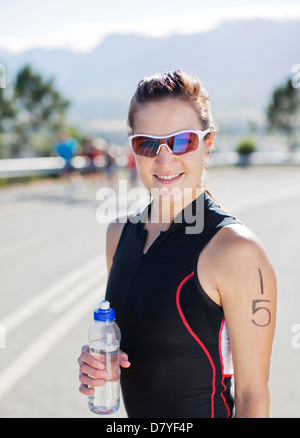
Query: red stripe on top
[{"x": 198, "y": 340}]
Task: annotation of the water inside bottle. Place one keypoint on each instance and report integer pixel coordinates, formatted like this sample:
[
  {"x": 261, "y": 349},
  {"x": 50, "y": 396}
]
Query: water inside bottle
[{"x": 106, "y": 399}]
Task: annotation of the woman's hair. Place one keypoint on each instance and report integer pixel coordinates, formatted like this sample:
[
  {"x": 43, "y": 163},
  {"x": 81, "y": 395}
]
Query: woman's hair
[
  {"x": 173, "y": 84},
  {"x": 177, "y": 84}
]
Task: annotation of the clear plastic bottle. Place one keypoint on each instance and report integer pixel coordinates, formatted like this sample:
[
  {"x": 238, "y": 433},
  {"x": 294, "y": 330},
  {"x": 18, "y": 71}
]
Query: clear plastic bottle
[{"x": 104, "y": 344}]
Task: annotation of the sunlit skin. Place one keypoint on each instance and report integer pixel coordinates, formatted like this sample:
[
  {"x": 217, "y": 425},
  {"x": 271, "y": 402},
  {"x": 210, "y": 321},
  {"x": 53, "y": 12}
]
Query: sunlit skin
[{"x": 166, "y": 117}]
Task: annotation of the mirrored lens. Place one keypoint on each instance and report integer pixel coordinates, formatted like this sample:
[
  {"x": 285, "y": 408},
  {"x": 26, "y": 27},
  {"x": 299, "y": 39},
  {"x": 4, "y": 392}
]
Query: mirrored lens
[
  {"x": 145, "y": 146},
  {"x": 185, "y": 142}
]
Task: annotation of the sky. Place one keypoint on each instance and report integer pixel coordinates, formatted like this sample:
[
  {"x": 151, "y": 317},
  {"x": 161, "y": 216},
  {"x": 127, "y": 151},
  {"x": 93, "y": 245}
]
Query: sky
[{"x": 81, "y": 26}]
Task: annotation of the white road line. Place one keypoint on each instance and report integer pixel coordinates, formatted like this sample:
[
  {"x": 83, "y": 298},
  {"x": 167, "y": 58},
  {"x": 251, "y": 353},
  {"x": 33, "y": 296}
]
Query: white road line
[
  {"x": 21, "y": 314},
  {"x": 86, "y": 284},
  {"x": 16, "y": 370}
]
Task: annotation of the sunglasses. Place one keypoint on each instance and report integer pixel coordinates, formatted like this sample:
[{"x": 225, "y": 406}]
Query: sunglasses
[{"x": 179, "y": 143}]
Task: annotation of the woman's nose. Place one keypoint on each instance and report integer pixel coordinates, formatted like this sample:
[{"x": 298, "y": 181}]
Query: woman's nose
[{"x": 164, "y": 155}]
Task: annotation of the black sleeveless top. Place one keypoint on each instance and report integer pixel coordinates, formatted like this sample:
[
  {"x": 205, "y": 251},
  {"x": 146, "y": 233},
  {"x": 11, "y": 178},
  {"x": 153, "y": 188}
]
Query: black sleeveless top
[{"x": 174, "y": 334}]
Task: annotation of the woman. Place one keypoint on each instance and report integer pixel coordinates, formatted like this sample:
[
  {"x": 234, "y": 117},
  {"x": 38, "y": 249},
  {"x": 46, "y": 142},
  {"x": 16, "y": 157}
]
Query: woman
[{"x": 193, "y": 289}]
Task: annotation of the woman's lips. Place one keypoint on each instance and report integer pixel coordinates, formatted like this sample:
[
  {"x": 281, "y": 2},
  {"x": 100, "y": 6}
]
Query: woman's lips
[{"x": 168, "y": 178}]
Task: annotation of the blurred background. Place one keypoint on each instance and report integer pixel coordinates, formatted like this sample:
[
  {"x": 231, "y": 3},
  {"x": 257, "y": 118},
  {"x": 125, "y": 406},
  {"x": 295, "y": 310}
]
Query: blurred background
[{"x": 67, "y": 72}]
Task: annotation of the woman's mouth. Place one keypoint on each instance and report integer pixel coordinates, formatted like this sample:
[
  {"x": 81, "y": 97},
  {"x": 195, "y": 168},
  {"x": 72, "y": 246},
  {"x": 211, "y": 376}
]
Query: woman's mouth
[{"x": 168, "y": 178}]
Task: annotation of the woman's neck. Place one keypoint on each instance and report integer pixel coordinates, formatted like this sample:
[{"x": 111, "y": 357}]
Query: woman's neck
[{"x": 163, "y": 211}]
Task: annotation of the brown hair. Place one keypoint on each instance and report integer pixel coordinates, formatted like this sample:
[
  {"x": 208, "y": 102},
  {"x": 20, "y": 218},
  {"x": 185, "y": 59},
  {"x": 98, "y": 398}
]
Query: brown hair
[
  {"x": 176, "y": 84},
  {"x": 173, "y": 84}
]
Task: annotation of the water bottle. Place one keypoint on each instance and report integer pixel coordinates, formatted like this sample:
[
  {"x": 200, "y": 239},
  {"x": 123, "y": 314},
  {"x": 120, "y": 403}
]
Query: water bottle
[{"x": 104, "y": 344}]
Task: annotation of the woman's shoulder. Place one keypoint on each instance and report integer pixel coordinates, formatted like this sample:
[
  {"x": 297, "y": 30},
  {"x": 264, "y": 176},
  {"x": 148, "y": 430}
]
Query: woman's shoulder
[
  {"x": 113, "y": 234},
  {"x": 114, "y": 231},
  {"x": 115, "y": 226},
  {"x": 234, "y": 249},
  {"x": 232, "y": 259},
  {"x": 235, "y": 233},
  {"x": 237, "y": 251},
  {"x": 235, "y": 240}
]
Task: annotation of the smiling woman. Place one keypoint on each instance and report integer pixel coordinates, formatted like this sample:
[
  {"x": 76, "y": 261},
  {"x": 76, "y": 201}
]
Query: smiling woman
[
  {"x": 163, "y": 105},
  {"x": 194, "y": 309}
]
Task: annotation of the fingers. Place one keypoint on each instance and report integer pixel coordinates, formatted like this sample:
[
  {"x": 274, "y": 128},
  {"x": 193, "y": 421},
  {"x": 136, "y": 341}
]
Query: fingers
[
  {"x": 123, "y": 357},
  {"x": 84, "y": 389},
  {"x": 86, "y": 369},
  {"x": 91, "y": 381},
  {"x": 92, "y": 371},
  {"x": 87, "y": 358}
]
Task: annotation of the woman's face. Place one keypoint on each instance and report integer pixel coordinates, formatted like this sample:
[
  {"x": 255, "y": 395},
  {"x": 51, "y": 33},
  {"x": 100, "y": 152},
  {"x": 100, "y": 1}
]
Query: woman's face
[{"x": 166, "y": 117}]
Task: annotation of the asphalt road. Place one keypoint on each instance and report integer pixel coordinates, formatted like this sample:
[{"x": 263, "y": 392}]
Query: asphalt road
[{"x": 53, "y": 274}]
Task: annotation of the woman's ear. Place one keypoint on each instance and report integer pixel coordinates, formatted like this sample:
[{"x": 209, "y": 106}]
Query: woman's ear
[{"x": 209, "y": 143}]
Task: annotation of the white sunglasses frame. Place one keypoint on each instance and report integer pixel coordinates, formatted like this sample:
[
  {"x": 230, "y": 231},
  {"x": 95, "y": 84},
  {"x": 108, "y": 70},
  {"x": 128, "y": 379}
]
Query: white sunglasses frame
[{"x": 201, "y": 135}]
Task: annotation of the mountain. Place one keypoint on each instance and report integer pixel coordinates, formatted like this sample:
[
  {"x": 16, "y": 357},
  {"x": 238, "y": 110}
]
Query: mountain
[{"x": 240, "y": 63}]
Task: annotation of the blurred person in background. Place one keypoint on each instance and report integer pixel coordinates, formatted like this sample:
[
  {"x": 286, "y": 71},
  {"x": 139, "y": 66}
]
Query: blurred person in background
[
  {"x": 109, "y": 165},
  {"x": 67, "y": 147},
  {"x": 195, "y": 309},
  {"x": 90, "y": 152}
]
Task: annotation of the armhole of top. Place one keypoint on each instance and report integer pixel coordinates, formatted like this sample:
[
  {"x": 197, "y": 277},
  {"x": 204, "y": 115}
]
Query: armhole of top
[{"x": 205, "y": 296}]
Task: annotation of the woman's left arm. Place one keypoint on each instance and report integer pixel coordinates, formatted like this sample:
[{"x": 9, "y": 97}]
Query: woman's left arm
[{"x": 247, "y": 286}]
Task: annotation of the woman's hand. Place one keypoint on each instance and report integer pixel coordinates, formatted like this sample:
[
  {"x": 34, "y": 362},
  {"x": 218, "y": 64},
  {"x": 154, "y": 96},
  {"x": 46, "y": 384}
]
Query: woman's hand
[{"x": 93, "y": 372}]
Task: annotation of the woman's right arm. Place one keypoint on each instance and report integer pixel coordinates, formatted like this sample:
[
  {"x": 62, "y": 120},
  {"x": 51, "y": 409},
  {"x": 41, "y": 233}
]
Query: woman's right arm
[{"x": 92, "y": 371}]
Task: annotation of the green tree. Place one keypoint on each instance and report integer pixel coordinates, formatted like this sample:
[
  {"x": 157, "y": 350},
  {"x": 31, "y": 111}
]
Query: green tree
[
  {"x": 7, "y": 114},
  {"x": 284, "y": 110},
  {"x": 38, "y": 106},
  {"x": 7, "y": 110}
]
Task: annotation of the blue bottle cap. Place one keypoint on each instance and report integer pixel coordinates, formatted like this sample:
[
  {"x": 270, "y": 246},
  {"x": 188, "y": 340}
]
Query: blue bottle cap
[{"x": 104, "y": 312}]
